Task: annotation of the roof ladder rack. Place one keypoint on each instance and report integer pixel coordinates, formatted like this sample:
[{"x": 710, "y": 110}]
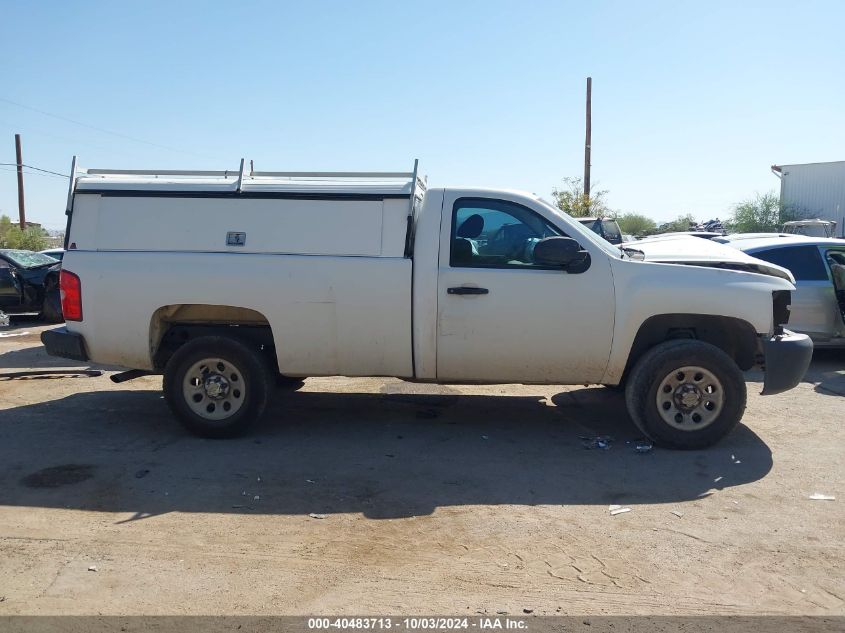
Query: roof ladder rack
[{"x": 242, "y": 181}]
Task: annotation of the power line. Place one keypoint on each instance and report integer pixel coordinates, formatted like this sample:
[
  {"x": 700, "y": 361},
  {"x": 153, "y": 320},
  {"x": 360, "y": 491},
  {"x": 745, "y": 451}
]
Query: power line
[
  {"x": 94, "y": 127},
  {"x": 46, "y": 171},
  {"x": 12, "y": 171},
  {"x": 28, "y": 129}
]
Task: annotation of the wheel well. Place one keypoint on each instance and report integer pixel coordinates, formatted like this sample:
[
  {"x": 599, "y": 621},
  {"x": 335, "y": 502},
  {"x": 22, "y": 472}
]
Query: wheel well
[
  {"x": 174, "y": 325},
  {"x": 735, "y": 337}
]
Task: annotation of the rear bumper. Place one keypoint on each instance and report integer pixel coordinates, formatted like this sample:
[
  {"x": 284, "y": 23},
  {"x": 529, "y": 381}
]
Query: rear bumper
[
  {"x": 60, "y": 342},
  {"x": 787, "y": 356}
]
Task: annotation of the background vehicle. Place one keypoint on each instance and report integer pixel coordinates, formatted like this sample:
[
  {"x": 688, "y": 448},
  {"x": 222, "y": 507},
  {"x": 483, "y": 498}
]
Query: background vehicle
[
  {"x": 373, "y": 275},
  {"x": 707, "y": 235},
  {"x": 710, "y": 226},
  {"x": 733, "y": 237},
  {"x": 29, "y": 282},
  {"x": 811, "y": 228},
  {"x": 817, "y": 308},
  {"x": 55, "y": 253},
  {"x": 608, "y": 228}
]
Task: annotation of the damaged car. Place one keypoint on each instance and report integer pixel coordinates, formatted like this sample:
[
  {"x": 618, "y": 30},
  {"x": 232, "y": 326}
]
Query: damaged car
[{"x": 29, "y": 283}]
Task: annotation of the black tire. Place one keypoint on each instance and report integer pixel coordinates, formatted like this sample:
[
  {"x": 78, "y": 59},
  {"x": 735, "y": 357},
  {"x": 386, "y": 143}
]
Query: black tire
[
  {"x": 661, "y": 366},
  {"x": 240, "y": 365},
  {"x": 51, "y": 309}
]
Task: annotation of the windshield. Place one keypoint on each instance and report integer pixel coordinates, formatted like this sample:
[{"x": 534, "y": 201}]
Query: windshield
[
  {"x": 28, "y": 259},
  {"x": 813, "y": 230},
  {"x": 611, "y": 230},
  {"x": 590, "y": 235},
  {"x": 810, "y": 229}
]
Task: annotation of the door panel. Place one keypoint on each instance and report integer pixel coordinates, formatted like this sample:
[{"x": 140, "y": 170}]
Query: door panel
[
  {"x": 813, "y": 310},
  {"x": 10, "y": 294},
  {"x": 503, "y": 319},
  {"x": 835, "y": 260}
]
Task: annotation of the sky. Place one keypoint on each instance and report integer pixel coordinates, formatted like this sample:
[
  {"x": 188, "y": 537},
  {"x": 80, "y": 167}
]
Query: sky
[{"x": 692, "y": 101}]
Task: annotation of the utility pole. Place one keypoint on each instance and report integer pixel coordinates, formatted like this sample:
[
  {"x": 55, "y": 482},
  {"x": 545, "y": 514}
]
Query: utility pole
[
  {"x": 588, "y": 141},
  {"x": 21, "y": 208}
]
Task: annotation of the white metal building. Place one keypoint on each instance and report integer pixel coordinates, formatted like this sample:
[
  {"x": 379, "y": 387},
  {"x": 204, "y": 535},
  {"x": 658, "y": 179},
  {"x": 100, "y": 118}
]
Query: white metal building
[{"x": 815, "y": 190}]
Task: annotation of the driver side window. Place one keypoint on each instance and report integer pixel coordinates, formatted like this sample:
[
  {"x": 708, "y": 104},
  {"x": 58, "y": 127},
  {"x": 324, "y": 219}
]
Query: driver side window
[{"x": 490, "y": 233}]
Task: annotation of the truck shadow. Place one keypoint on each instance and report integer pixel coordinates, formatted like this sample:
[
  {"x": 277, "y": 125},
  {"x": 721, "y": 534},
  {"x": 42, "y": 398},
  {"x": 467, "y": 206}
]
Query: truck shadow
[
  {"x": 826, "y": 372},
  {"x": 385, "y": 455},
  {"x": 35, "y": 356}
]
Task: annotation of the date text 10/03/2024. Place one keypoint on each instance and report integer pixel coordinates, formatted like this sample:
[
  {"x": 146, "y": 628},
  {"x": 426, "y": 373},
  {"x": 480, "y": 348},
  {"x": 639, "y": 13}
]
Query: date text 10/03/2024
[{"x": 418, "y": 623}]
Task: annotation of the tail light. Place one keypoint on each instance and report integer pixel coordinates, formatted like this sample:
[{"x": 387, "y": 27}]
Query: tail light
[{"x": 71, "y": 291}]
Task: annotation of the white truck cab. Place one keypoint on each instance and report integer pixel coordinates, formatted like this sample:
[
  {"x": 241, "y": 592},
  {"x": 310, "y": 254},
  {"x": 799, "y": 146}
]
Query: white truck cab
[{"x": 225, "y": 282}]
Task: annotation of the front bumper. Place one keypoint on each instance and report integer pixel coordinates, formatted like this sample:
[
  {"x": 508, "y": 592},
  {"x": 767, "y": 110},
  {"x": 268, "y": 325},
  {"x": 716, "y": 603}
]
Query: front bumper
[
  {"x": 787, "y": 357},
  {"x": 60, "y": 342}
]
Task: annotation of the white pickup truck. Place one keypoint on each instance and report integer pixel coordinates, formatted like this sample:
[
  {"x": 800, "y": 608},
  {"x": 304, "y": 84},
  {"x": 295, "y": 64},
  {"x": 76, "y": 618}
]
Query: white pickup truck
[{"x": 225, "y": 282}]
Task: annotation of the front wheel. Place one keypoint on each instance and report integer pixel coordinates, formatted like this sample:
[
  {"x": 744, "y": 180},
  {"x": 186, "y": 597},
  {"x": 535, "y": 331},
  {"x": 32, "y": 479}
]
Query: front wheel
[
  {"x": 686, "y": 394},
  {"x": 216, "y": 386}
]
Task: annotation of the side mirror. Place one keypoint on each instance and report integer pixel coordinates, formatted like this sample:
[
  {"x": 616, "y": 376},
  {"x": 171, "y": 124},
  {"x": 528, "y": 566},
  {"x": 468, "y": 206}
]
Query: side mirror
[{"x": 562, "y": 251}]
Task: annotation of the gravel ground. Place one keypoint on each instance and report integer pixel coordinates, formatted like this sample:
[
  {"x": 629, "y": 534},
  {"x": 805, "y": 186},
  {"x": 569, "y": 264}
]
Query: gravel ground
[{"x": 379, "y": 496}]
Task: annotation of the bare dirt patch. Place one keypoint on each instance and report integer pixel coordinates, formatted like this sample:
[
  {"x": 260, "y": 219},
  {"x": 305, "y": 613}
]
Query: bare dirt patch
[{"x": 377, "y": 496}]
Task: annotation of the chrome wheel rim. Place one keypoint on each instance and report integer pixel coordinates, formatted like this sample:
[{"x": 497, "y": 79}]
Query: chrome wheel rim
[
  {"x": 690, "y": 398},
  {"x": 214, "y": 388}
]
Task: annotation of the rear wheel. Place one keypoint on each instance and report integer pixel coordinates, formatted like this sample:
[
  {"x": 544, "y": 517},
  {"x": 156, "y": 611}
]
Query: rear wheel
[
  {"x": 216, "y": 386},
  {"x": 686, "y": 394}
]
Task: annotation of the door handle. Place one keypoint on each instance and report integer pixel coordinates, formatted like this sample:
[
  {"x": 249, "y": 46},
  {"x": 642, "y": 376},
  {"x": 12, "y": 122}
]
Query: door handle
[{"x": 467, "y": 290}]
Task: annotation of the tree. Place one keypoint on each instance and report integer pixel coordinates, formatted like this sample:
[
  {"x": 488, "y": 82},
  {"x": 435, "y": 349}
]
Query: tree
[
  {"x": 29, "y": 239},
  {"x": 636, "y": 224},
  {"x": 5, "y": 227},
  {"x": 760, "y": 214},
  {"x": 681, "y": 223},
  {"x": 571, "y": 200}
]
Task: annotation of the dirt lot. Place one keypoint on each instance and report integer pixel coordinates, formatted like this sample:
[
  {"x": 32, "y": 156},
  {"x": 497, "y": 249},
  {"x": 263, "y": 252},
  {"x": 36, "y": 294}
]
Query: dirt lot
[{"x": 436, "y": 500}]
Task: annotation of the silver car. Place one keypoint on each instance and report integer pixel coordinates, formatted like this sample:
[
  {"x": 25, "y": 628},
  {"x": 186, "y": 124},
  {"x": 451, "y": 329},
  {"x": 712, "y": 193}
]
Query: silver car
[{"x": 818, "y": 265}]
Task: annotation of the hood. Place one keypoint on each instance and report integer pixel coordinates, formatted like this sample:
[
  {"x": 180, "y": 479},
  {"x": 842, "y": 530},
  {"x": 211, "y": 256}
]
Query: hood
[{"x": 695, "y": 251}]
